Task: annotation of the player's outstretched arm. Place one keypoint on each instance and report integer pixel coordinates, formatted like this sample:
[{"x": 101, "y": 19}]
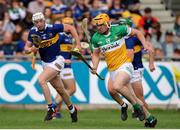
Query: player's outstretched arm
[
  {"x": 151, "y": 57},
  {"x": 72, "y": 30},
  {"x": 141, "y": 37},
  {"x": 95, "y": 60}
]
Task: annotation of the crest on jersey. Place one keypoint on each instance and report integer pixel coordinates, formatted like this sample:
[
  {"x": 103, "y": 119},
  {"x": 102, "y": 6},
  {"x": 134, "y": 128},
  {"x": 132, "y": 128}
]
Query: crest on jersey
[
  {"x": 108, "y": 40},
  {"x": 116, "y": 37},
  {"x": 36, "y": 39}
]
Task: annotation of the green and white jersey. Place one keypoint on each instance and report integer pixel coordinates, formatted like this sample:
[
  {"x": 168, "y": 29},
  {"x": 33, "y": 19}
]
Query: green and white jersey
[{"x": 112, "y": 46}]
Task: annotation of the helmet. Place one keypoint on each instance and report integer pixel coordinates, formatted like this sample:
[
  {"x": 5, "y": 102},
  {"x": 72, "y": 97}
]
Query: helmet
[
  {"x": 101, "y": 19},
  {"x": 126, "y": 21},
  {"x": 67, "y": 20},
  {"x": 126, "y": 14},
  {"x": 37, "y": 16}
]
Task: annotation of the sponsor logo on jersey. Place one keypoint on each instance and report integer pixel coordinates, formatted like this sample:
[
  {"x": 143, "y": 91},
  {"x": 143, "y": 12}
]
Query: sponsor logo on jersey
[{"x": 111, "y": 46}]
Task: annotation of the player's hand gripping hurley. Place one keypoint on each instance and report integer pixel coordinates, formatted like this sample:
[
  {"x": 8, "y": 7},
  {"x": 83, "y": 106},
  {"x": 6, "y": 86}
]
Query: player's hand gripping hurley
[
  {"x": 79, "y": 56},
  {"x": 37, "y": 41}
]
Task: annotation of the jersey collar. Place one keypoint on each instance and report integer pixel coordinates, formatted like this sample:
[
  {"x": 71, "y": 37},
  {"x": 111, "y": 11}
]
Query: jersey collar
[{"x": 109, "y": 33}]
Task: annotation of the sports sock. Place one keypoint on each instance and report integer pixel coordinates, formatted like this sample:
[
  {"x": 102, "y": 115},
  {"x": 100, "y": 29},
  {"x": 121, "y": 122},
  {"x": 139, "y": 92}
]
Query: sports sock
[
  {"x": 71, "y": 108},
  {"x": 52, "y": 105},
  {"x": 136, "y": 106},
  {"x": 124, "y": 105},
  {"x": 49, "y": 105}
]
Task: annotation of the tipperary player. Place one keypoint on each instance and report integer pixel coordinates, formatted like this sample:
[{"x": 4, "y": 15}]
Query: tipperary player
[
  {"x": 67, "y": 76},
  {"x": 44, "y": 38}
]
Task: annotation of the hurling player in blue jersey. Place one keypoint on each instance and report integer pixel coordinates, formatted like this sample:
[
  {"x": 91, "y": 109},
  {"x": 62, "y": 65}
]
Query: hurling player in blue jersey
[
  {"x": 134, "y": 48},
  {"x": 66, "y": 74},
  {"x": 44, "y": 38}
]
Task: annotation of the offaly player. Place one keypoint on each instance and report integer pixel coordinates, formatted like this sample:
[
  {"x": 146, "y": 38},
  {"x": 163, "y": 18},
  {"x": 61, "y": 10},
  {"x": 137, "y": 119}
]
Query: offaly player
[
  {"x": 134, "y": 48},
  {"x": 110, "y": 42}
]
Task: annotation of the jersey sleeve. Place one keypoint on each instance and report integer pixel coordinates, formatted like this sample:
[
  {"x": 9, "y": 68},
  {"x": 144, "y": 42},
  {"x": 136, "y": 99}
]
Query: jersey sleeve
[
  {"x": 138, "y": 41},
  {"x": 33, "y": 38},
  {"x": 57, "y": 28},
  {"x": 124, "y": 30},
  {"x": 94, "y": 42},
  {"x": 29, "y": 37},
  {"x": 129, "y": 43},
  {"x": 61, "y": 38}
]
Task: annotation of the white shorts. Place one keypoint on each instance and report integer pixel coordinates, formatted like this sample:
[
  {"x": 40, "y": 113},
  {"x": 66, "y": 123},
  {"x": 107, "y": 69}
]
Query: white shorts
[
  {"x": 57, "y": 64},
  {"x": 127, "y": 67},
  {"x": 138, "y": 75},
  {"x": 67, "y": 73}
]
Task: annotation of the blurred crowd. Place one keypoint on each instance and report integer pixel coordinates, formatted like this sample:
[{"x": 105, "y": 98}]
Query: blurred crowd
[{"x": 15, "y": 22}]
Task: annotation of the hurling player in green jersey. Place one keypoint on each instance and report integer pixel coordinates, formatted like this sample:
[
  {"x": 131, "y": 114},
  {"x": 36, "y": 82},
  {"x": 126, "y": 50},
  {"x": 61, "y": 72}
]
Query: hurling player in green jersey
[{"x": 109, "y": 41}]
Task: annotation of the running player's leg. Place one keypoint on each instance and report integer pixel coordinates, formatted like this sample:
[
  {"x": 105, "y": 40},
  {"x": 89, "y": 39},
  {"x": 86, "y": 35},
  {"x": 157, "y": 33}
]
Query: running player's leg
[
  {"x": 47, "y": 74},
  {"x": 150, "y": 121},
  {"x": 136, "y": 83},
  {"x": 137, "y": 87},
  {"x": 70, "y": 87},
  {"x": 121, "y": 78},
  {"x": 117, "y": 98},
  {"x": 67, "y": 77},
  {"x": 138, "y": 100},
  {"x": 58, "y": 84},
  {"x": 120, "y": 85}
]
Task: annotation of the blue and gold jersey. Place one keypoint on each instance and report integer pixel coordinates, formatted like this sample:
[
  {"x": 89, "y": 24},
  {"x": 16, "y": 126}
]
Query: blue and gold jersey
[
  {"x": 134, "y": 43},
  {"x": 48, "y": 41},
  {"x": 66, "y": 47}
]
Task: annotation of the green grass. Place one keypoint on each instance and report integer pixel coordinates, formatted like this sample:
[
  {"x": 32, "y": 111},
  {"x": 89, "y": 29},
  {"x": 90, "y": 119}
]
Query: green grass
[{"x": 108, "y": 118}]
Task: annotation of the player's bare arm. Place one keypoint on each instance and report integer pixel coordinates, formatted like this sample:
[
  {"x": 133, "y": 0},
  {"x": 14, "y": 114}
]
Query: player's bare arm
[
  {"x": 151, "y": 57},
  {"x": 29, "y": 47},
  {"x": 95, "y": 60},
  {"x": 69, "y": 28},
  {"x": 141, "y": 37}
]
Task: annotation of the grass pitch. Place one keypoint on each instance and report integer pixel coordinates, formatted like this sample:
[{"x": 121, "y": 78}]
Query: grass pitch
[{"x": 102, "y": 118}]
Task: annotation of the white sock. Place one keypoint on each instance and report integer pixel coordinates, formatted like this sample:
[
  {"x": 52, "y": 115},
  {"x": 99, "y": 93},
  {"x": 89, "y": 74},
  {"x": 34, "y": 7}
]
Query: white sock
[
  {"x": 124, "y": 105},
  {"x": 72, "y": 110}
]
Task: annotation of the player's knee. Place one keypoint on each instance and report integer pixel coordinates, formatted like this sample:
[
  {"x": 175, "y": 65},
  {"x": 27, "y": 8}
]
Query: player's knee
[
  {"x": 111, "y": 90},
  {"x": 73, "y": 90},
  {"x": 117, "y": 86},
  {"x": 41, "y": 82}
]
